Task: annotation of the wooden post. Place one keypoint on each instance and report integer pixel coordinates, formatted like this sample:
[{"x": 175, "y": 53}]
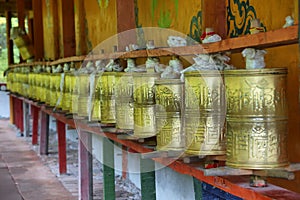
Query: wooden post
[
  {"x": 38, "y": 30},
  {"x": 148, "y": 179},
  {"x": 108, "y": 170},
  {"x": 44, "y": 133},
  {"x": 21, "y": 18},
  {"x": 125, "y": 22},
  {"x": 26, "y": 119},
  {"x": 35, "y": 124},
  {"x": 197, "y": 189},
  {"x": 9, "y": 42},
  {"x": 124, "y": 161},
  {"x": 11, "y": 110},
  {"x": 82, "y": 34},
  {"x": 68, "y": 28},
  {"x": 85, "y": 160},
  {"x": 214, "y": 16},
  {"x": 62, "y": 153}
]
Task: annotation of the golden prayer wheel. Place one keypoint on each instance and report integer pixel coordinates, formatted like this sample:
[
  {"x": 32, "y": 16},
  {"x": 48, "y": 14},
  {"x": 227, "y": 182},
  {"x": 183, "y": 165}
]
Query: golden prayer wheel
[
  {"x": 144, "y": 104},
  {"x": 144, "y": 121},
  {"x": 31, "y": 85},
  {"x": 205, "y": 113},
  {"x": 124, "y": 101},
  {"x": 95, "y": 101},
  {"x": 9, "y": 80},
  {"x": 143, "y": 84},
  {"x": 169, "y": 97},
  {"x": 83, "y": 90},
  {"x": 107, "y": 97},
  {"x": 66, "y": 98},
  {"x": 256, "y": 118},
  {"x": 73, "y": 94}
]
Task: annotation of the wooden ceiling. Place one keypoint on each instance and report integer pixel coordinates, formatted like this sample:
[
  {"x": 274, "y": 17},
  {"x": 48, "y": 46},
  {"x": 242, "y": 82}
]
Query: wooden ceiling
[{"x": 11, "y": 5}]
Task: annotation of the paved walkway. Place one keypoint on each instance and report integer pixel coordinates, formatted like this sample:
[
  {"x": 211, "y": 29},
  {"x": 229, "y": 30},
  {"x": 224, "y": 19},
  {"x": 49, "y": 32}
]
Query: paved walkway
[{"x": 22, "y": 173}]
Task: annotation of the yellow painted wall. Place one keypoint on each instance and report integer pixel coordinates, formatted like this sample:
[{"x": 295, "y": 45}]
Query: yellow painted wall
[
  {"x": 100, "y": 24},
  {"x": 272, "y": 14}
]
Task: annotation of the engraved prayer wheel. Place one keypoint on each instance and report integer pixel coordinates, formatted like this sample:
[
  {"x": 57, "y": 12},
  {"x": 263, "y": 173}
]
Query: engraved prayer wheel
[
  {"x": 256, "y": 118},
  {"x": 144, "y": 104},
  {"x": 95, "y": 104},
  {"x": 205, "y": 113},
  {"x": 83, "y": 90},
  {"x": 107, "y": 97},
  {"x": 124, "y": 101},
  {"x": 169, "y": 99}
]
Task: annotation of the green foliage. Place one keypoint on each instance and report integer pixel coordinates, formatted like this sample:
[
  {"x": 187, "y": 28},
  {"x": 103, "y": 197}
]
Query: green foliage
[{"x": 165, "y": 20}]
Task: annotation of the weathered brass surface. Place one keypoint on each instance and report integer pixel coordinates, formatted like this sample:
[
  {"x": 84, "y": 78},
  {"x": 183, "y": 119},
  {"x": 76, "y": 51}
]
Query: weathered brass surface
[
  {"x": 205, "y": 113},
  {"x": 124, "y": 100},
  {"x": 169, "y": 134},
  {"x": 205, "y": 91},
  {"x": 107, "y": 97},
  {"x": 96, "y": 107},
  {"x": 205, "y": 134},
  {"x": 144, "y": 121},
  {"x": 169, "y": 100},
  {"x": 256, "y": 118},
  {"x": 143, "y": 85},
  {"x": 256, "y": 143},
  {"x": 82, "y": 106}
]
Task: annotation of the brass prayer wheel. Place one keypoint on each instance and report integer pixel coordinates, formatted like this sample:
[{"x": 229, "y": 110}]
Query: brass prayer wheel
[
  {"x": 256, "y": 118},
  {"x": 205, "y": 113},
  {"x": 144, "y": 121},
  {"x": 95, "y": 101},
  {"x": 83, "y": 90},
  {"x": 144, "y": 88},
  {"x": 144, "y": 104},
  {"x": 124, "y": 100},
  {"x": 107, "y": 97},
  {"x": 169, "y": 99}
]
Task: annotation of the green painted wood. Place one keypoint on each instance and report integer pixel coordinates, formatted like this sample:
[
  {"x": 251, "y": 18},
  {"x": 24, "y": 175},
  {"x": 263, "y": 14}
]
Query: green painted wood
[
  {"x": 197, "y": 189},
  {"x": 108, "y": 170},
  {"x": 148, "y": 189}
]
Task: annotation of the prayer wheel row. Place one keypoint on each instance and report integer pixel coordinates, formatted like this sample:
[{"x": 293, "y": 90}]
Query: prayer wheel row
[{"x": 240, "y": 113}]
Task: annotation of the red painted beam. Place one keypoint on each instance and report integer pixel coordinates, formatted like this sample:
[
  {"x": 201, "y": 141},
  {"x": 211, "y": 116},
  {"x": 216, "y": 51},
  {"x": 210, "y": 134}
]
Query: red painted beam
[
  {"x": 124, "y": 161},
  {"x": 20, "y": 113},
  {"x": 62, "y": 153},
  {"x": 35, "y": 124}
]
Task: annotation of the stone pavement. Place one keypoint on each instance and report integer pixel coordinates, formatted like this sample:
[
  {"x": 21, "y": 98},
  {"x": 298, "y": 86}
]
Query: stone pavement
[{"x": 22, "y": 173}]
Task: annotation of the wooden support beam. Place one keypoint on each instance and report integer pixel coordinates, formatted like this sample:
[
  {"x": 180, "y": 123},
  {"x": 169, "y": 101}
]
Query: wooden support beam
[
  {"x": 35, "y": 124},
  {"x": 148, "y": 189},
  {"x": 214, "y": 16},
  {"x": 11, "y": 6},
  {"x": 68, "y": 21},
  {"x": 126, "y": 22},
  {"x": 62, "y": 145},
  {"x": 108, "y": 170},
  {"x": 85, "y": 160},
  {"x": 44, "y": 133},
  {"x": 26, "y": 119},
  {"x": 9, "y": 42},
  {"x": 20, "y": 116},
  {"x": 82, "y": 43},
  {"x": 11, "y": 110},
  {"x": 21, "y": 13},
  {"x": 197, "y": 188},
  {"x": 38, "y": 30}
]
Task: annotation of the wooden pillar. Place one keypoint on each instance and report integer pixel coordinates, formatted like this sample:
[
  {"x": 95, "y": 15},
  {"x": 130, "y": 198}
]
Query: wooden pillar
[
  {"x": 26, "y": 119},
  {"x": 38, "y": 30},
  {"x": 148, "y": 189},
  {"x": 11, "y": 110},
  {"x": 82, "y": 33},
  {"x": 9, "y": 42},
  {"x": 124, "y": 161},
  {"x": 214, "y": 16},
  {"x": 197, "y": 189},
  {"x": 44, "y": 133},
  {"x": 68, "y": 21},
  {"x": 85, "y": 160},
  {"x": 62, "y": 153},
  {"x": 108, "y": 170},
  {"x": 125, "y": 22},
  {"x": 35, "y": 124},
  {"x": 21, "y": 18}
]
